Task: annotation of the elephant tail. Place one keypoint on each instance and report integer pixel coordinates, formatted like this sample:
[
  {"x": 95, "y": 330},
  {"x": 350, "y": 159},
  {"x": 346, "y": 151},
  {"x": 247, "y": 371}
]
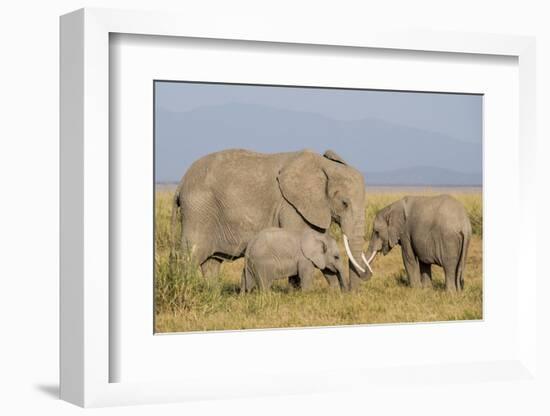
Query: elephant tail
[
  {"x": 176, "y": 205},
  {"x": 462, "y": 260}
]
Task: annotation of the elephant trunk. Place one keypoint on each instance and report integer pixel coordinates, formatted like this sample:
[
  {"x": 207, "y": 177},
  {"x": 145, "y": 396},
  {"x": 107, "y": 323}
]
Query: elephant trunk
[
  {"x": 369, "y": 258},
  {"x": 340, "y": 276},
  {"x": 357, "y": 269}
]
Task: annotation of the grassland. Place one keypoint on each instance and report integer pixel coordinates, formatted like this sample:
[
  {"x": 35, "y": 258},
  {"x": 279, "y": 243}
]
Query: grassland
[{"x": 184, "y": 301}]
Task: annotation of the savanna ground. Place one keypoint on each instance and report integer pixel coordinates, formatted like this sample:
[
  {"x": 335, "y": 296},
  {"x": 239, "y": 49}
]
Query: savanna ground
[{"x": 184, "y": 301}]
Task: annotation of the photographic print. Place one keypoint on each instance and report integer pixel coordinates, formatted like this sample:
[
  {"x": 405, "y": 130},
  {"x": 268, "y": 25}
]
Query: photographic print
[{"x": 291, "y": 206}]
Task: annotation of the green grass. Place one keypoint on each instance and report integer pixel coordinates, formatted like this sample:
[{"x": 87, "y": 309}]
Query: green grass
[{"x": 185, "y": 301}]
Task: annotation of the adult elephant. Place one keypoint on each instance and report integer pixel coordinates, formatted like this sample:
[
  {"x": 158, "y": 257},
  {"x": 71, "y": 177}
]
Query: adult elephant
[{"x": 227, "y": 197}]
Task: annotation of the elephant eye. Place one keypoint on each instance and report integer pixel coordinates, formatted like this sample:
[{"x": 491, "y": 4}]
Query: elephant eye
[
  {"x": 337, "y": 257},
  {"x": 345, "y": 203}
]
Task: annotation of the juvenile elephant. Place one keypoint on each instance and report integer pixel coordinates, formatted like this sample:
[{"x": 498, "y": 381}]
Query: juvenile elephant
[
  {"x": 276, "y": 253},
  {"x": 430, "y": 230}
]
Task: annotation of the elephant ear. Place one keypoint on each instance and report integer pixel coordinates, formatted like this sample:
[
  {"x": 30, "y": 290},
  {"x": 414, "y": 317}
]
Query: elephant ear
[
  {"x": 303, "y": 184},
  {"x": 396, "y": 217},
  {"x": 314, "y": 248},
  {"x": 329, "y": 154}
]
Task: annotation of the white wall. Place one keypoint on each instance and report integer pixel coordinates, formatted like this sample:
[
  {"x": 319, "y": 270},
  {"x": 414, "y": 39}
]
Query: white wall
[{"x": 29, "y": 185}]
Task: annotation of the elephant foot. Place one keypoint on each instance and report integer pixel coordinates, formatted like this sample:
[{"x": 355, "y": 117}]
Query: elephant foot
[
  {"x": 415, "y": 284},
  {"x": 427, "y": 284}
]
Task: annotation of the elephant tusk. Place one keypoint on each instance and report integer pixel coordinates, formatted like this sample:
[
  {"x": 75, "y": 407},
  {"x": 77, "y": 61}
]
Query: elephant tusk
[
  {"x": 348, "y": 252},
  {"x": 366, "y": 262},
  {"x": 372, "y": 257}
]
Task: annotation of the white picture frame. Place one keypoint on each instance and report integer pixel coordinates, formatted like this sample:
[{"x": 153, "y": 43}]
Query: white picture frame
[{"x": 86, "y": 356}]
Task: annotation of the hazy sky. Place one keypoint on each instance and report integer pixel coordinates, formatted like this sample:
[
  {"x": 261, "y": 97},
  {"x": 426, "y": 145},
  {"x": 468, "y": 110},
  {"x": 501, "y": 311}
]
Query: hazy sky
[{"x": 244, "y": 113}]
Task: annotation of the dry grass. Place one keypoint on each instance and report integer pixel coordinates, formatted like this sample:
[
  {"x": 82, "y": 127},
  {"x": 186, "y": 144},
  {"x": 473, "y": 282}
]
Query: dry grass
[{"x": 186, "y": 302}]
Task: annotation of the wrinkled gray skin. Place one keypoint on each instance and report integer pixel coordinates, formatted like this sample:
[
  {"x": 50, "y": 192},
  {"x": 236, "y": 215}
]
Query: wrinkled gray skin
[
  {"x": 226, "y": 198},
  {"x": 430, "y": 230},
  {"x": 276, "y": 253}
]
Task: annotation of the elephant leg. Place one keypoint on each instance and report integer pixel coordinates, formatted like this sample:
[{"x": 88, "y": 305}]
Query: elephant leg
[
  {"x": 413, "y": 272},
  {"x": 450, "y": 276},
  {"x": 199, "y": 255},
  {"x": 211, "y": 268},
  {"x": 263, "y": 284},
  {"x": 262, "y": 278},
  {"x": 305, "y": 271},
  {"x": 307, "y": 282},
  {"x": 412, "y": 265},
  {"x": 426, "y": 274},
  {"x": 247, "y": 282},
  {"x": 243, "y": 281}
]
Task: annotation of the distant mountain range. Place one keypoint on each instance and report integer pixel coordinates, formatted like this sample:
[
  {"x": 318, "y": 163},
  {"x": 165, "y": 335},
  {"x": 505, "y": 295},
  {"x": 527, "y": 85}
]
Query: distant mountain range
[
  {"x": 387, "y": 153},
  {"x": 422, "y": 176}
]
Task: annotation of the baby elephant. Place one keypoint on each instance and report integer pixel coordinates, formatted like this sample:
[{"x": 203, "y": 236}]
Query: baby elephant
[
  {"x": 276, "y": 253},
  {"x": 430, "y": 230}
]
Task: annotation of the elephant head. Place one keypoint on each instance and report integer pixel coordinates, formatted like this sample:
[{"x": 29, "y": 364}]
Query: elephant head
[
  {"x": 323, "y": 252},
  {"x": 324, "y": 189},
  {"x": 387, "y": 229}
]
